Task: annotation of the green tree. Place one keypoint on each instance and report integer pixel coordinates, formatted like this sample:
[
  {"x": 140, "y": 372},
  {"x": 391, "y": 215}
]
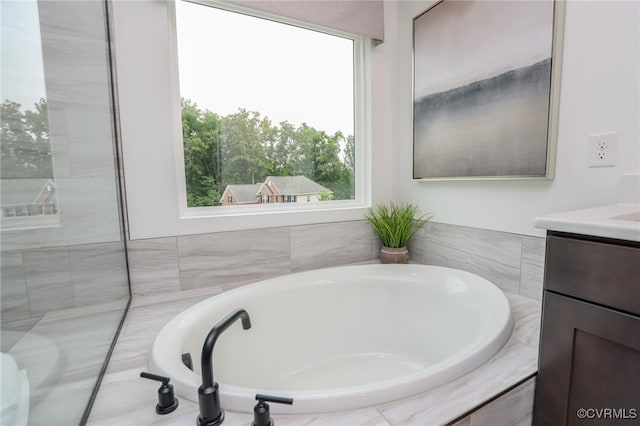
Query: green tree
[
  {"x": 326, "y": 195},
  {"x": 326, "y": 160},
  {"x": 243, "y": 157},
  {"x": 346, "y": 189},
  {"x": 245, "y": 147},
  {"x": 25, "y": 148},
  {"x": 200, "y": 133},
  {"x": 302, "y": 153},
  {"x": 279, "y": 152}
]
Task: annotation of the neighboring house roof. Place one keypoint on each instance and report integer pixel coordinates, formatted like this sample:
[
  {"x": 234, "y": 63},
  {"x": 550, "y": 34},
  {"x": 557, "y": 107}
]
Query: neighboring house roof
[
  {"x": 243, "y": 193},
  {"x": 294, "y": 185},
  {"x": 23, "y": 191}
]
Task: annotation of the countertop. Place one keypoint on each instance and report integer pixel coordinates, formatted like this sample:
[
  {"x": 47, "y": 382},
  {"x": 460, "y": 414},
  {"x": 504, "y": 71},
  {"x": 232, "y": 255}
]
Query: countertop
[{"x": 618, "y": 221}]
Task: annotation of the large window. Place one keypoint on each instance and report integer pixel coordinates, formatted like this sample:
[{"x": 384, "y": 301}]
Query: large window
[{"x": 268, "y": 110}]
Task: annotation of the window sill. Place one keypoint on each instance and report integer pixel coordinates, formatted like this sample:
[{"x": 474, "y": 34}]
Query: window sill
[{"x": 226, "y": 219}]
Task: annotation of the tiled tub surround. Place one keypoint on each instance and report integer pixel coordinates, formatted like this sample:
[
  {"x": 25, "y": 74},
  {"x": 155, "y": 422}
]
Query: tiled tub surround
[
  {"x": 229, "y": 259},
  {"x": 513, "y": 262},
  {"x": 170, "y": 274},
  {"x": 126, "y": 399}
]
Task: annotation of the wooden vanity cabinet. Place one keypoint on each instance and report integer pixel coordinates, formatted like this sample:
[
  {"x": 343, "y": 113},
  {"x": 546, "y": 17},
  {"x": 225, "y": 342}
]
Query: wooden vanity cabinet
[{"x": 589, "y": 361}]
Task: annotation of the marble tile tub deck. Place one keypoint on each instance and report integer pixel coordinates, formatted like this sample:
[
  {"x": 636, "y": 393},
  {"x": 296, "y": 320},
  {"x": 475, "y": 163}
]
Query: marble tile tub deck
[{"x": 126, "y": 399}]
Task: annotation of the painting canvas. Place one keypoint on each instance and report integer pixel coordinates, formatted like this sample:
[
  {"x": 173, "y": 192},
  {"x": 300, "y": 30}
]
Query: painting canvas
[{"x": 483, "y": 89}]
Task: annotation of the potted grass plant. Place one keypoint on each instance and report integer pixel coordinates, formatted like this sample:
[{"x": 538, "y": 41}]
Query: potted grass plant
[{"x": 395, "y": 224}]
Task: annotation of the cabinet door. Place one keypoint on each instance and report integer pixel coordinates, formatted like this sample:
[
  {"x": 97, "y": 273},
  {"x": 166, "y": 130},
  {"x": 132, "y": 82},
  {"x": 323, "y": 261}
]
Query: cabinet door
[{"x": 589, "y": 360}]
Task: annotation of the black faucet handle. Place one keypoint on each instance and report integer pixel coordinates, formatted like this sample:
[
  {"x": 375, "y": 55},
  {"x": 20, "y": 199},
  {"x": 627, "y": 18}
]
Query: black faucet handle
[
  {"x": 167, "y": 402},
  {"x": 276, "y": 399},
  {"x": 261, "y": 415},
  {"x": 163, "y": 379}
]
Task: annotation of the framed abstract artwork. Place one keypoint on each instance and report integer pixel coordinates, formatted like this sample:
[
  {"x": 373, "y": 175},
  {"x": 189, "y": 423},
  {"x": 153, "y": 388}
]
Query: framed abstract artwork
[{"x": 485, "y": 89}]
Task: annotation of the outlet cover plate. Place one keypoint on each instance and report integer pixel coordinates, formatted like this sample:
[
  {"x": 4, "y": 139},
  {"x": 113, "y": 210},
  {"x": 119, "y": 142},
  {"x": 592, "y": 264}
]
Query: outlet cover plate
[{"x": 602, "y": 149}]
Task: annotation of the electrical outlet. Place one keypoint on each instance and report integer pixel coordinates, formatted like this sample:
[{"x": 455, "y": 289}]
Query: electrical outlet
[{"x": 602, "y": 149}]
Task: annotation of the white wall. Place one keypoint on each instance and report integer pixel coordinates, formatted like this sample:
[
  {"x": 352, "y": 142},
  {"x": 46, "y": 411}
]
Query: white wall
[{"x": 600, "y": 92}]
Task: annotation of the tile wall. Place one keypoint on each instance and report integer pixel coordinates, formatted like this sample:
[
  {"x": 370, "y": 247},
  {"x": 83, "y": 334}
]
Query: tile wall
[
  {"x": 230, "y": 259},
  {"x": 38, "y": 281},
  {"x": 513, "y": 262}
]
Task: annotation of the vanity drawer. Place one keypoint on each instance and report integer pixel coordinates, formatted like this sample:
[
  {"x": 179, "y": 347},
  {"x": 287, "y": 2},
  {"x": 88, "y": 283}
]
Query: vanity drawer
[{"x": 597, "y": 271}]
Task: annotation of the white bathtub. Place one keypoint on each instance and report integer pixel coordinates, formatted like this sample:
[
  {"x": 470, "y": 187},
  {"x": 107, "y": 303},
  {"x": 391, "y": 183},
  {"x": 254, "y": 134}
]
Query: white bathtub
[{"x": 339, "y": 338}]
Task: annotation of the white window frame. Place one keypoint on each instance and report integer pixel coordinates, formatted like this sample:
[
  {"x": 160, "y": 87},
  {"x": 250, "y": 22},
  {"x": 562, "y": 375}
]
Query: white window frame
[{"x": 150, "y": 117}]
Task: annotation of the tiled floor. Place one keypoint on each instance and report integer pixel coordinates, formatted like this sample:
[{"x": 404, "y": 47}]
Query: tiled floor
[{"x": 126, "y": 399}]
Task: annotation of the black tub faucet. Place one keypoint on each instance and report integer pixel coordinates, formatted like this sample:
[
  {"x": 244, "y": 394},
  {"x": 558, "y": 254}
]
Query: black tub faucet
[{"x": 211, "y": 413}]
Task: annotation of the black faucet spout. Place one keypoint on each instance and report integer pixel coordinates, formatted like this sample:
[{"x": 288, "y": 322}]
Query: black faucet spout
[
  {"x": 211, "y": 413},
  {"x": 212, "y": 337}
]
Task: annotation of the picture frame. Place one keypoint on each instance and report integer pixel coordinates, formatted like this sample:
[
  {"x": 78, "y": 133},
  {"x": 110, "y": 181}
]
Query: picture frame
[{"x": 486, "y": 79}]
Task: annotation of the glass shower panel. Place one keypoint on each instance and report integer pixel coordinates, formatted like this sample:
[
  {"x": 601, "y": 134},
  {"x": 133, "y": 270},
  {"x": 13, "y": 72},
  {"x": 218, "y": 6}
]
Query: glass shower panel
[{"x": 64, "y": 279}]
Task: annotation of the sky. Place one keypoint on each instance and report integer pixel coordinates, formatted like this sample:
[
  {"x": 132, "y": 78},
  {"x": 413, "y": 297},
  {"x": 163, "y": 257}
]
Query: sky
[
  {"x": 229, "y": 61},
  {"x": 21, "y": 53}
]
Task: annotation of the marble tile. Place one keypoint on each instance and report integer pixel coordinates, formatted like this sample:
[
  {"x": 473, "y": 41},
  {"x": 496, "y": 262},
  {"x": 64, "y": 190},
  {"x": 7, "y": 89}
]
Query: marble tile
[
  {"x": 532, "y": 274},
  {"x": 15, "y": 305},
  {"x": 84, "y": 311},
  {"x": 48, "y": 279},
  {"x": 126, "y": 399},
  {"x": 83, "y": 337},
  {"x": 89, "y": 201},
  {"x": 445, "y": 403},
  {"x": 490, "y": 254},
  {"x": 514, "y": 408},
  {"x": 58, "y": 133},
  {"x": 527, "y": 314},
  {"x": 77, "y": 20},
  {"x": 331, "y": 244},
  {"x": 77, "y": 79},
  {"x": 364, "y": 416},
  {"x": 153, "y": 265},
  {"x": 59, "y": 145},
  {"x": 117, "y": 406},
  {"x": 376, "y": 246},
  {"x": 12, "y": 330},
  {"x": 90, "y": 135},
  {"x": 87, "y": 156},
  {"x": 176, "y": 297},
  {"x": 140, "y": 329},
  {"x": 75, "y": 66},
  {"x": 99, "y": 273},
  {"x": 418, "y": 246},
  {"x": 230, "y": 259},
  {"x": 66, "y": 404}
]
